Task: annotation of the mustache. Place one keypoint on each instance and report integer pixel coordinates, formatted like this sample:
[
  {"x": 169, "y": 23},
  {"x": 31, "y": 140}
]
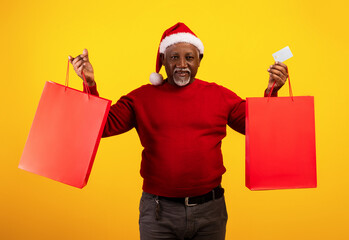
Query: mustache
[{"x": 181, "y": 70}]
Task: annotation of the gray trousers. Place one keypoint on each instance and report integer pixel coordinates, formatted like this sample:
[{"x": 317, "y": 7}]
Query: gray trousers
[{"x": 164, "y": 219}]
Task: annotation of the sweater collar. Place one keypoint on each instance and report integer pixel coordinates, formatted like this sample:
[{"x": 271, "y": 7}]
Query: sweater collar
[{"x": 166, "y": 85}]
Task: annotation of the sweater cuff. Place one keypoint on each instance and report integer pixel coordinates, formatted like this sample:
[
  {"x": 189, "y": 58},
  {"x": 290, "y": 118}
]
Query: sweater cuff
[{"x": 93, "y": 90}]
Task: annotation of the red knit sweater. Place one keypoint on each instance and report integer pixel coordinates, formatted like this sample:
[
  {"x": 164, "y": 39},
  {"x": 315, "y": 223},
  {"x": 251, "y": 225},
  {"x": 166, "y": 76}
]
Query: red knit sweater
[{"x": 181, "y": 129}]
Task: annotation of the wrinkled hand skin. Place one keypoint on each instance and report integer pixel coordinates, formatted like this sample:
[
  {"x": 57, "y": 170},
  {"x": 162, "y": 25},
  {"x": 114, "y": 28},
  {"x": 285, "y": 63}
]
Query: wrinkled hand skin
[
  {"x": 81, "y": 63},
  {"x": 278, "y": 73}
]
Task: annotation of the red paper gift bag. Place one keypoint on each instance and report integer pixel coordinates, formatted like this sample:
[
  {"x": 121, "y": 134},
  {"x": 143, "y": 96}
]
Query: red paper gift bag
[
  {"x": 280, "y": 143},
  {"x": 65, "y": 134}
]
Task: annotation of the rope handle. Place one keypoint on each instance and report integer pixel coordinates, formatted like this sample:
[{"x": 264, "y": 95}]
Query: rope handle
[
  {"x": 84, "y": 80},
  {"x": 289, "y": 85}
]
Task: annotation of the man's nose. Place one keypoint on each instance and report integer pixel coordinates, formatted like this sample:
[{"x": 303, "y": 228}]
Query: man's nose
[{"x": 182, "y": 63}]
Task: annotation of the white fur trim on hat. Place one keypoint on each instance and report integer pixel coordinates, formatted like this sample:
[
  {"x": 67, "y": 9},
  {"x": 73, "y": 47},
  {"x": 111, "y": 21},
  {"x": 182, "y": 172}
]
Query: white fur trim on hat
[
  {"x": 156, "y": 79},
  {"x": 181, "y": 37}
]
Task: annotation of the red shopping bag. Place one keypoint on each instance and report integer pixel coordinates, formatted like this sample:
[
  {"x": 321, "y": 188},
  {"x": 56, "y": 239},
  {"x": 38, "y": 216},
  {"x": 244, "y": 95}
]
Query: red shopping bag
[
  {"x": 280, "y": 143},
  {"x": 65, "y": 134}
]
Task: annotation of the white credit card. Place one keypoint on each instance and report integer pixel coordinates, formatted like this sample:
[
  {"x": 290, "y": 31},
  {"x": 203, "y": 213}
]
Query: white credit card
[{"x": 283, "y": 54}]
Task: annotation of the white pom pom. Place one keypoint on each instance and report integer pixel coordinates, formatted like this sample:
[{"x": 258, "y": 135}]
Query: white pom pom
[{"x": 156, "y": 79}]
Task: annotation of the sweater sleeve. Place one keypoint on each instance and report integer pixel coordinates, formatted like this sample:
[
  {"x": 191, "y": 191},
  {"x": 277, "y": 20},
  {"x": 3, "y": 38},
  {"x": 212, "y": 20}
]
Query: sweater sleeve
[
  {"x": 93, "y": 90},
  {"x": 236, "y": 108},
  {"x": 236, "y": 119},
  {"x": 121, "y": 117}
]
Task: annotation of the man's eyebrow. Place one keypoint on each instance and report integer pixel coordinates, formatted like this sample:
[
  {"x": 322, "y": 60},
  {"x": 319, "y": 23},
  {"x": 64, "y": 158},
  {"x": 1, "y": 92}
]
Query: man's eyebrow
[{"x": 187, "y": 53}]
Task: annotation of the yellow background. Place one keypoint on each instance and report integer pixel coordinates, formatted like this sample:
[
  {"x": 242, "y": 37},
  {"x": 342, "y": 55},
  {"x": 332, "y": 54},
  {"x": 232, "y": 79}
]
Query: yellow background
[{"x": 122, "y": 38}]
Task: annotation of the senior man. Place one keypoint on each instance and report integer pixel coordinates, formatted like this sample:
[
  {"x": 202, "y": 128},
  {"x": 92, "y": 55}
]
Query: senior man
[{"x": 181, "y": 122}]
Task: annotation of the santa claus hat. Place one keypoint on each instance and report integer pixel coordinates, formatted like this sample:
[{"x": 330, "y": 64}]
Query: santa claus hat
[{"x": 175, "y": 34}]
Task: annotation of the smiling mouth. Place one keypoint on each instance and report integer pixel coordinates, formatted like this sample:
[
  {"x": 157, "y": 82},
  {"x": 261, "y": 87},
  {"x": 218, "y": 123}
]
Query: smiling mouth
[{"x": 182, "y": 73}]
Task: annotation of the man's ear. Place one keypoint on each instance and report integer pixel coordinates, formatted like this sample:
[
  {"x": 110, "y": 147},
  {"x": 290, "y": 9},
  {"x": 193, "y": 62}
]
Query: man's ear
[
  {"x": 162, "y": 59},
  {"x": 200, "y": 58}
]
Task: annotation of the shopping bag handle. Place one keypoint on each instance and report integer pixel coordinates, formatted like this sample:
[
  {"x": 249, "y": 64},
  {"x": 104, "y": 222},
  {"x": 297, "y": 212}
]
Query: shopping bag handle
[
  {"x": 84, "y": 80},
  {"x": 289, "y": 85}
]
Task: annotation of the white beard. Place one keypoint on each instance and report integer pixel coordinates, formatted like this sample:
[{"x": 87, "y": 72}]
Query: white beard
[{"x": 180, "y": 81}]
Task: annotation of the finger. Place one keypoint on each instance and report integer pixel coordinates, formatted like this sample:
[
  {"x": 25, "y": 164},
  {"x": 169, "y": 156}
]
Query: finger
[
  {"x": 79, "y": 69},
  {"x": 85, "y": 53},
  {"x": 278, "y": 68},
  {"x": 281, "y": 64},
  {"x": 83, "y": 57},
  {"x": 70, "y": 59},
  {"x": 78, "y": 63},
  {"x": 76, "y": 59},
  {"x": 279, "y": 81},
  {"x": 279, "y": 73}
]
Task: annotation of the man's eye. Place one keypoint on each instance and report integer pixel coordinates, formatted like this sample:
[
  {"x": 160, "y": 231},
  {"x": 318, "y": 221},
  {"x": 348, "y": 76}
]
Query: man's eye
[
  {"x": 174, "y": 57},
  {"x": 189, "y": 58}
]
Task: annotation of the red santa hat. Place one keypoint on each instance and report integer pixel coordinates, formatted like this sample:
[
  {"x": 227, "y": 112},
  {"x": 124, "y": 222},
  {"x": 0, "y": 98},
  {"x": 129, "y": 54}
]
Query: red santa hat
[{"x": 175, "y": 34}]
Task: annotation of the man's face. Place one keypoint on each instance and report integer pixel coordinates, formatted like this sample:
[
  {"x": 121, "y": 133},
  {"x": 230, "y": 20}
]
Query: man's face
[{"x": 181, "y": 62}]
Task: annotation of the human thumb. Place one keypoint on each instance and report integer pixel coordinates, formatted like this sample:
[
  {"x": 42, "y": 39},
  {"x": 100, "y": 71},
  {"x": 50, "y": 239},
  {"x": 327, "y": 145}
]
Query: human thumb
[{"x": 85, "y": 53}]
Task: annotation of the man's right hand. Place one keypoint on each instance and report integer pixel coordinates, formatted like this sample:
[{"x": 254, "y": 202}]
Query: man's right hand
[{"x": 82, "y": 63}]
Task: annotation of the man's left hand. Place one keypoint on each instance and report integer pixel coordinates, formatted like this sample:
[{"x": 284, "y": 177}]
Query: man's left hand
[{"x": 277, "y": 73}]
